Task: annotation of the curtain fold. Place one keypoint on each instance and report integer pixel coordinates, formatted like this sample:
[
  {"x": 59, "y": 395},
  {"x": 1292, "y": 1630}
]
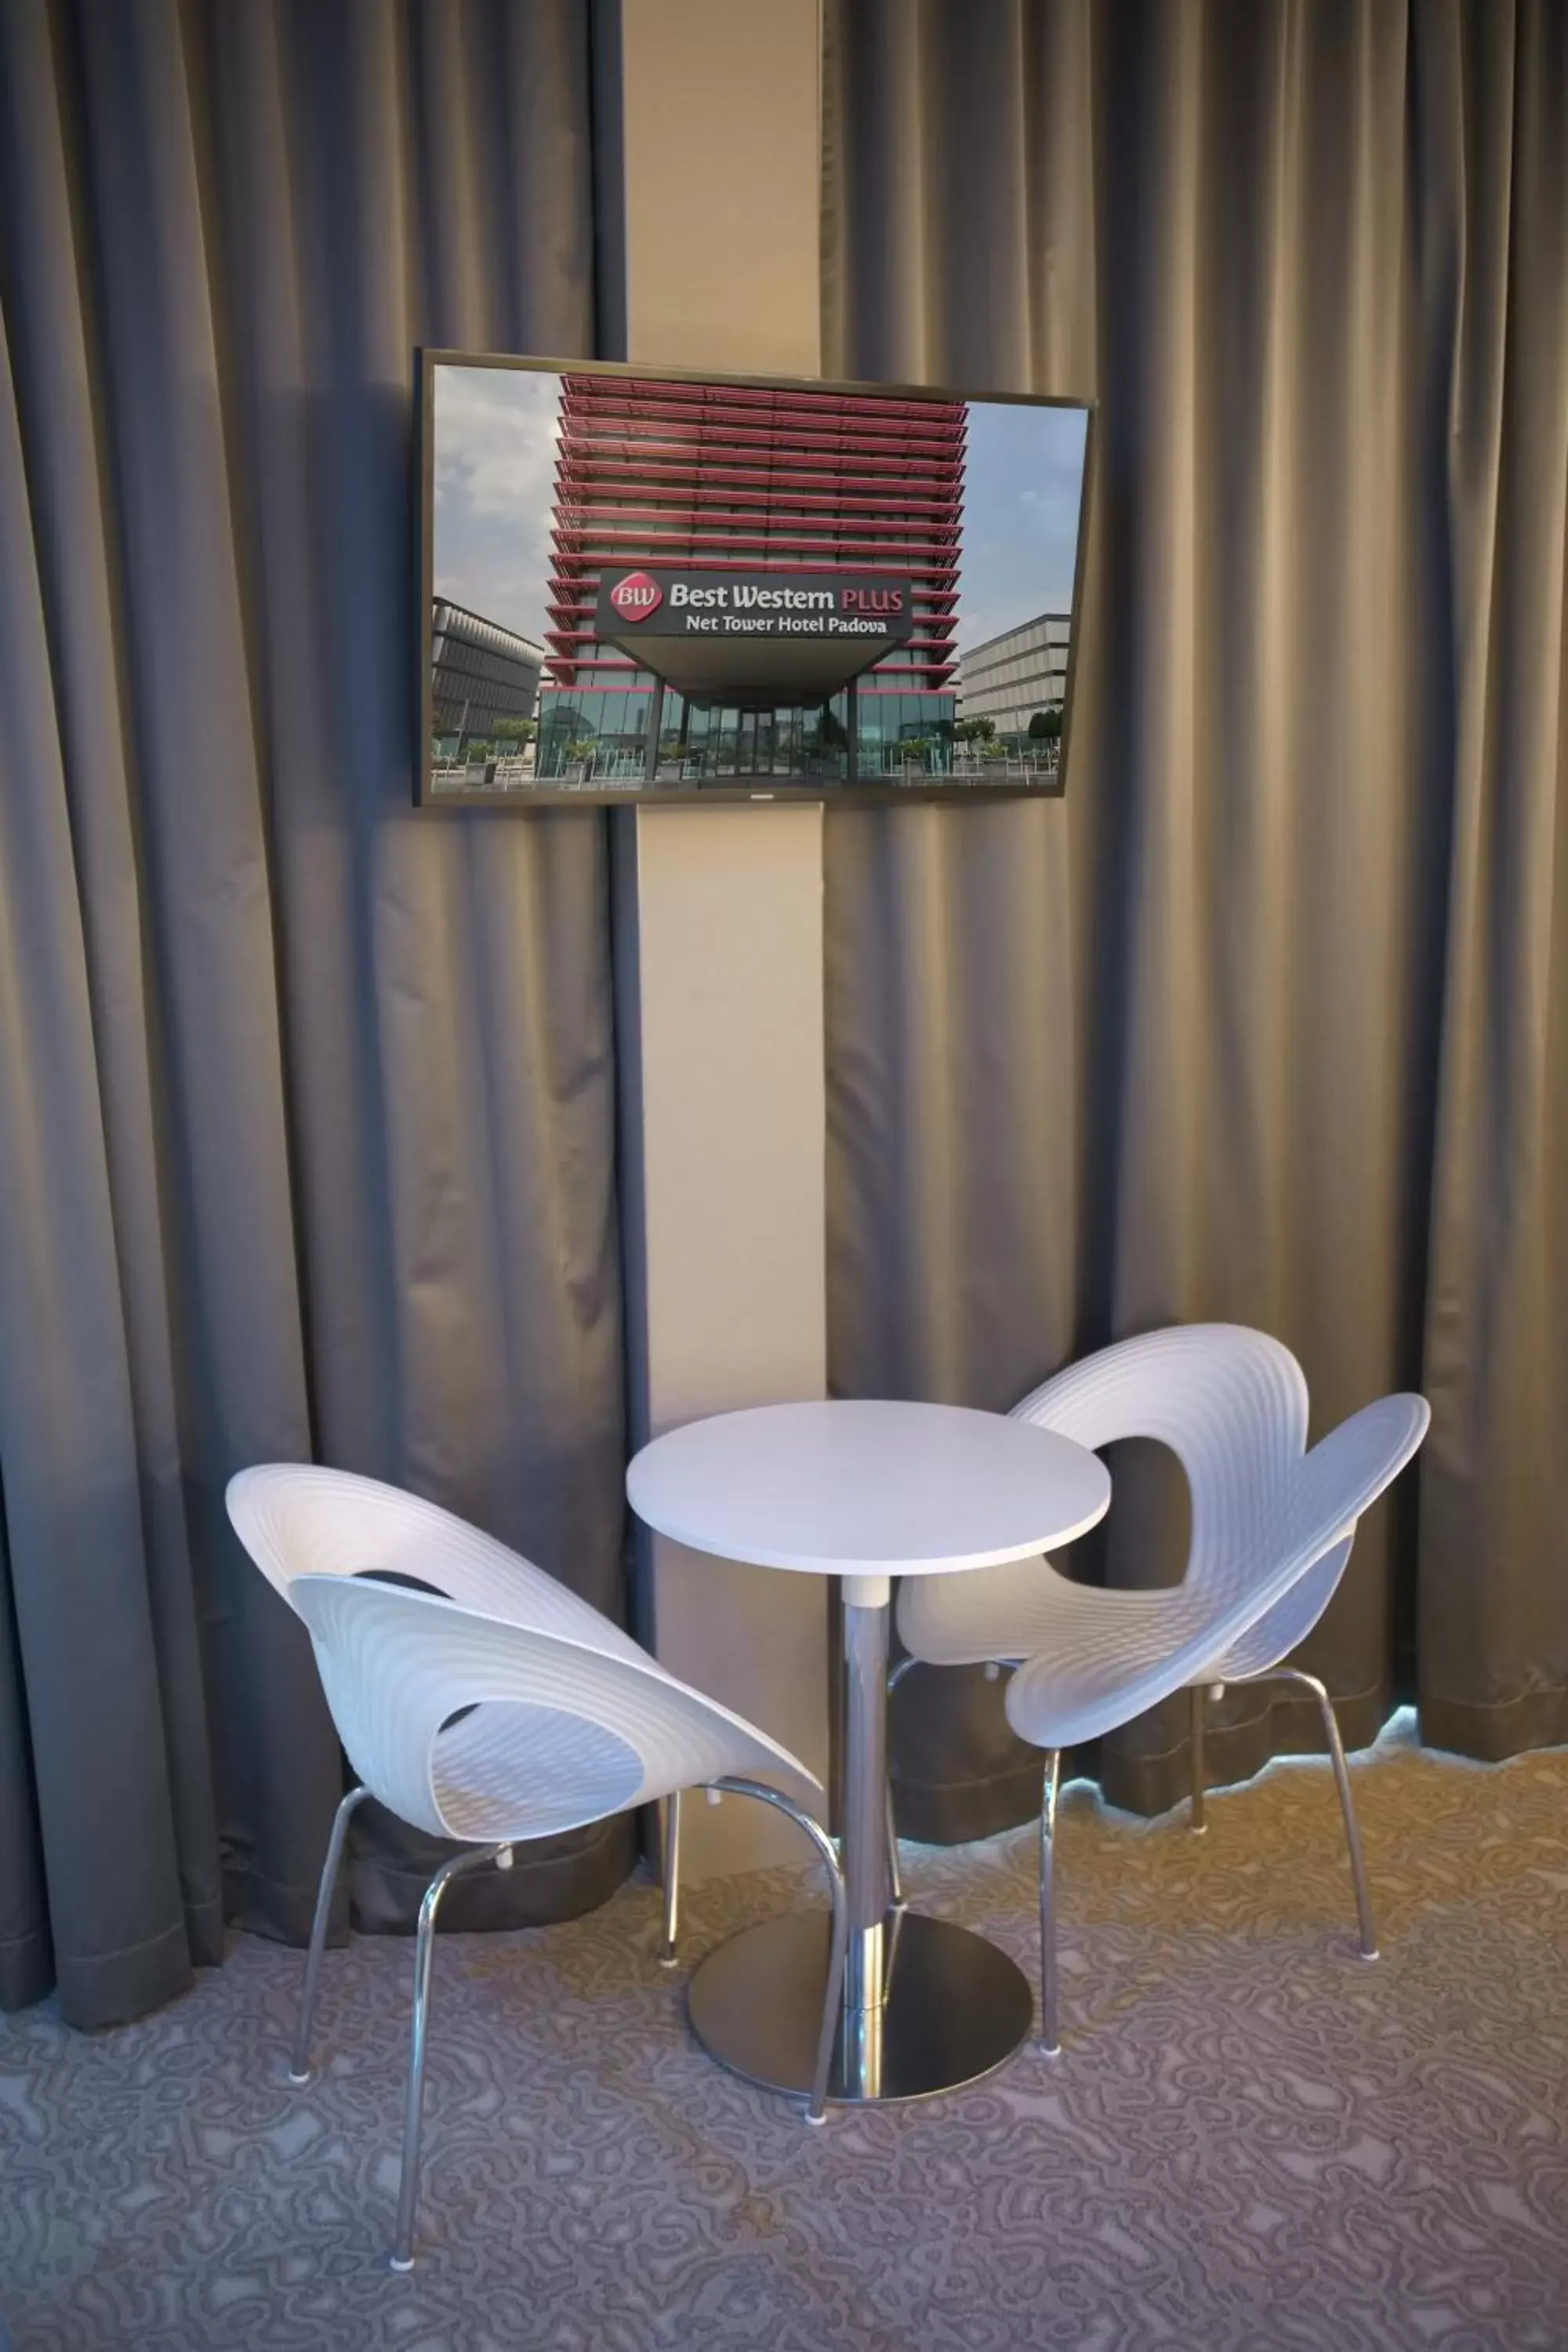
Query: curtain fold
[
  {"x": 1265, "y": 1022},
  {"x": 1491, "y": 118},
  {"x": 308, "y": 1149}
]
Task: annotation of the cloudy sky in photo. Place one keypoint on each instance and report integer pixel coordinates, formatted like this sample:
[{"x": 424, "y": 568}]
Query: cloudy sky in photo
[
  {"x": 1023, "y": 487},
  {"x": 495, "y": 435},
  {"x": 495, "y": 439}
]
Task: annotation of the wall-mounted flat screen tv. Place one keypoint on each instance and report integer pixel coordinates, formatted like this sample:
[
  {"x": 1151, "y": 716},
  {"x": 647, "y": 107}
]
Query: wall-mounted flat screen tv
[{"x": 683, "y": 587}]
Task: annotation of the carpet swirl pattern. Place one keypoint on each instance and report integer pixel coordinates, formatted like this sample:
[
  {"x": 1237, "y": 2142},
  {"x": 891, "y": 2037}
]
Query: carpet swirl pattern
[{"x": 1250, "y": 2140}]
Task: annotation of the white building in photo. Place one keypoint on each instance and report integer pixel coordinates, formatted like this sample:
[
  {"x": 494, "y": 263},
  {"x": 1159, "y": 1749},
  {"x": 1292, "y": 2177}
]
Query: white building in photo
[
  {"x": 481, "y": 676},
  {"x": 1009, "y": 677}
]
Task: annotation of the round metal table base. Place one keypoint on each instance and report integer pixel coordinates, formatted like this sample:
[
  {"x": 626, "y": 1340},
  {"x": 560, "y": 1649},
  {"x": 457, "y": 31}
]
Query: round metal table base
[{"x": 956, "y": 2010}]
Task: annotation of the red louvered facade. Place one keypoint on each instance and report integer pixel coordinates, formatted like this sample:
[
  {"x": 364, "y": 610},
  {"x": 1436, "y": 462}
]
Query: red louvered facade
[{"x": 751, "y": 479}]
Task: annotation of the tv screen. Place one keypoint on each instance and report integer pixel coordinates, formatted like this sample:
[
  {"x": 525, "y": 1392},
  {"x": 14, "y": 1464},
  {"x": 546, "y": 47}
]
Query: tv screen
[{"x": 696, "y": 587}]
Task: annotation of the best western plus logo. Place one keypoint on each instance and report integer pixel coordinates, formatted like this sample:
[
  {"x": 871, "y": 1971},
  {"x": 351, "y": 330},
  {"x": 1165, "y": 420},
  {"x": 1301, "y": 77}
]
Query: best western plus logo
[
  {"x": 724, "y": 601},
  {"x": 637, "y": 596}
]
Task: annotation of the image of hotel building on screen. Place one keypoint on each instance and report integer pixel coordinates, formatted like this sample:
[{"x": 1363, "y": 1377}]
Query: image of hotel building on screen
[{"x": 833, "y": 521}]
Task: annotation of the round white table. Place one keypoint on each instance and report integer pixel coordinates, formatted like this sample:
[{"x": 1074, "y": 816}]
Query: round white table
[{"x": 866, "y": 1491}]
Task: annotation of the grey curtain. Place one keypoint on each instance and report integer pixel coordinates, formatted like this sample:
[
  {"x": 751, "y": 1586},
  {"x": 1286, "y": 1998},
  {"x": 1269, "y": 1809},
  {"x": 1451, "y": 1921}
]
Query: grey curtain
[
  {"x": 306, "y": 1123},
  {"x": 1270, "y": 1020}
]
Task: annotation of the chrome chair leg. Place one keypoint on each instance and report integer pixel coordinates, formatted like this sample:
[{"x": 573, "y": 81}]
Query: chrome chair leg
[
  {"x": 993, "y": 1667},
  {"x": 1364, "y": 1922},
  {"x": 1196, "y": 1696},
  {"x": 414, "y": 2108},
  {"x": 669, "y": 1876},
  {"x": 833, "y": 1994},
  {"x": 838, "y": 1940},
  {"x": 894, "y": 1873},
  {"x": 1050, "y": 2040},
  {"x": 299, "y": 2063}
]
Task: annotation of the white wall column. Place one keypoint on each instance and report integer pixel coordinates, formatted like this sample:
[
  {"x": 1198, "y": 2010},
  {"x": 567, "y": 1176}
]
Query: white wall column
[{"x": 719, "y": 911}]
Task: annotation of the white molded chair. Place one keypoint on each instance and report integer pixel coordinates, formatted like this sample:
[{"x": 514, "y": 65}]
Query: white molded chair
[
  {"x": 298, "y": 1518},
  {"x": 1272, "y": 1527},
  {"x": 491, "y": 1728}
]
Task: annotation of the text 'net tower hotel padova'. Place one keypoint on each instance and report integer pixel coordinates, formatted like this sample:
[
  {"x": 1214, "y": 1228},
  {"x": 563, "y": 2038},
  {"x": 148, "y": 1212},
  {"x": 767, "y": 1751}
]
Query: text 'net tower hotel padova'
[{"x": 749, "y": 581}]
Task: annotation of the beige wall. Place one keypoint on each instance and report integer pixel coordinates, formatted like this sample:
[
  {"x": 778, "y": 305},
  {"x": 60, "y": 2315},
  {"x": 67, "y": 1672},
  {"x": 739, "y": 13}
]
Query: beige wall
[
  {"x": 723, "y": 142},
  {"x": 720, "y": 910}
]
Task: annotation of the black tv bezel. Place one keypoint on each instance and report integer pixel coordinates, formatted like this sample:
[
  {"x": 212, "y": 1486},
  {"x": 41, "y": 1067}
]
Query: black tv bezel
[{"x": 744, "y": 791}]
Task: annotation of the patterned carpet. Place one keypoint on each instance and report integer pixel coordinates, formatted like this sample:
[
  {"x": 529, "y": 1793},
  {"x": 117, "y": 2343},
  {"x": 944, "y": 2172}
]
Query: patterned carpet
[{"x": 1251, "y": 2140}]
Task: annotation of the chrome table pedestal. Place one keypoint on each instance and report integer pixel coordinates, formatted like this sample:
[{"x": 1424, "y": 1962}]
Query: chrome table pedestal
[{"x": 928, "y": 2006}]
